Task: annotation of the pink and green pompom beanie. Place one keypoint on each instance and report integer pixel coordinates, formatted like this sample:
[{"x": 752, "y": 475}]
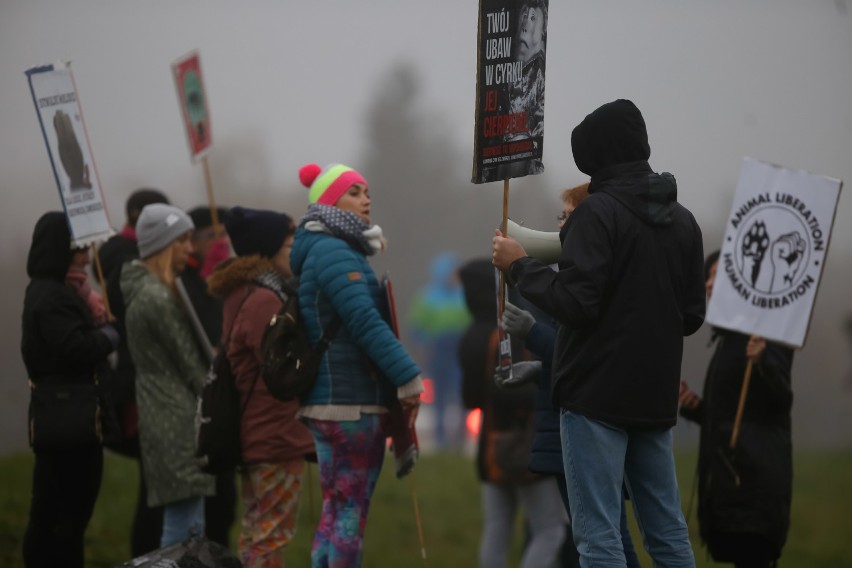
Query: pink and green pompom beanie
[{"x": 327, "y": 185}]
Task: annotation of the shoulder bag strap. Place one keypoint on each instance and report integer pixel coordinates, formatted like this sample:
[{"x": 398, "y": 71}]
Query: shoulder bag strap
[
  {"x": 223, "y": 347},
  {"x": 328, "y": 334}
]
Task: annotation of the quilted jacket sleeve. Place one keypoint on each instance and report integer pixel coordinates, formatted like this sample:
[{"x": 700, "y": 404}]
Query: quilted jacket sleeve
[{"x": 347, "y": 280}]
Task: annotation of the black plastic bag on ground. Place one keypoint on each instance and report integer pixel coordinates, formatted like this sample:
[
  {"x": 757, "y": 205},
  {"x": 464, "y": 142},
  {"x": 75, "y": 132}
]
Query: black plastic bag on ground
[{"x": 192, "y": 553}]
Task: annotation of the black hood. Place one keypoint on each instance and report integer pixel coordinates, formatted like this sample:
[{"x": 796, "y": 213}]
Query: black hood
[
  {"x": 651, "y": 197},
  {"x": 611, "y": 146},
  {"x": 477, "y": 278},
  {"x": 612, "y": 134},
  {"x": 50, "y": 251}
]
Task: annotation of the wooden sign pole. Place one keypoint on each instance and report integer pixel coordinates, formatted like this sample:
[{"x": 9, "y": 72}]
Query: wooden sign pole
[
  {"x": 505, "y": 228},
  {"x": 741, "y": 406},
  {"x": 214, "y": 214}
]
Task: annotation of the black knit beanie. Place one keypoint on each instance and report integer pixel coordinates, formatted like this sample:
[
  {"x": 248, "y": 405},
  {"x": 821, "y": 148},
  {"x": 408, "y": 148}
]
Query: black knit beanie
[{"x": 257, "y": 231}]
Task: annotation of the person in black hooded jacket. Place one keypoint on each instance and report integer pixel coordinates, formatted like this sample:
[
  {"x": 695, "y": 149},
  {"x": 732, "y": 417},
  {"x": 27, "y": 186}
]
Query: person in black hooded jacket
[
  {"x": 629, "y": 288},
  {"x": 61, "y": 345},
  {"x": 210, "y": 245},
  {"x": 744, "y": 494}
]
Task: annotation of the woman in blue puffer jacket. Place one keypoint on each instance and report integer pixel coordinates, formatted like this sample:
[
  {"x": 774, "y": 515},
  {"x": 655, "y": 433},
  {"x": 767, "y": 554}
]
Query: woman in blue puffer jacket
[{"x": 364, "y": 368}]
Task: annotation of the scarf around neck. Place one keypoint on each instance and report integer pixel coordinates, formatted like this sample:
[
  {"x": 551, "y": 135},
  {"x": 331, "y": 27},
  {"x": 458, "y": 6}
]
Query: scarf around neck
[
  {"x": 344, "y": 225},
  {"x": 277, "y": 283},
  {"x": 78, "y": 280}
]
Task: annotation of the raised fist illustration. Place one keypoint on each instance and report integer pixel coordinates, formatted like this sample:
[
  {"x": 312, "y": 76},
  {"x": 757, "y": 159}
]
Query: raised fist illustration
[
  {"x": 786, "y": 256},
  {"x": 70, "y": 153},
  {"x": 754, "y": 247}
]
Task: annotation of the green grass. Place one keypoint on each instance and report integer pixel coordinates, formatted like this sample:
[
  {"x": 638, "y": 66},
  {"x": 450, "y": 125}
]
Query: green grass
[{"x": 448, "y": 497}]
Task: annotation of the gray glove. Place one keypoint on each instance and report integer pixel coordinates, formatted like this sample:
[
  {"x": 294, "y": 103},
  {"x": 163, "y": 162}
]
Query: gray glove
[
  {"x": 523, "y": 372},
  {"x": 516, "y": 321},
  {"x": 111, "y": 333}
]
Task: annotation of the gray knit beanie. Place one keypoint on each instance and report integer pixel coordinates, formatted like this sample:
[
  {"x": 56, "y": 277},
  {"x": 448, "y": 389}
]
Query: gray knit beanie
[{"x": 158, "y": 226}]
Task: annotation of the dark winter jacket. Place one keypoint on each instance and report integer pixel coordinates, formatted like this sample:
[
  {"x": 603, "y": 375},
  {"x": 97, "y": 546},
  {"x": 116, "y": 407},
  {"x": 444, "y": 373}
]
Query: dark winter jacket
[
  {"x": 208, "y": 308},
  {"x": 335, "y": 278},
  {"x": 546, "y": 452},
  {"x": 117, "y": 251},
  {"x": 762, "y": 459},
  {"x": 60, "y": 342},
  {"x": 630, "y": 283},
  {"x": 546, "y": 455},
  {"x": 502, "y": 410},
  {"x": 270, "y": 432}
]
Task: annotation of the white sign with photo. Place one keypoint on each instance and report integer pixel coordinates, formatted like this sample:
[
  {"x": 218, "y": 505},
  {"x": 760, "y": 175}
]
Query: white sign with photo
[
  {"x": 775, "y": 246},
  {"x": 58, "y": 109}
]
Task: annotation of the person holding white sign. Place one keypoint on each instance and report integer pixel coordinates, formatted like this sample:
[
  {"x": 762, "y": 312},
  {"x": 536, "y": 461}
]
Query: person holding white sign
[
  {"x": 64, "y": 346},
  {"x": 629, "y": 288},
  {"x": 744, "y": 492}
]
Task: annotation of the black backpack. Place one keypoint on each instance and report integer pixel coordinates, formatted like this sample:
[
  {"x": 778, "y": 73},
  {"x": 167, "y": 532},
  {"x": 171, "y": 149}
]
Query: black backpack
[
  {"x": 290, "y": 364},
  {"x": 219, "y": 413}
]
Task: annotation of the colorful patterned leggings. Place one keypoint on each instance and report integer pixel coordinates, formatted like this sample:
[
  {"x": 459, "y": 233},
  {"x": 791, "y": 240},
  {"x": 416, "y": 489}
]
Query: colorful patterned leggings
[
  {"x": 271, "y": 504},
  {"x": 350, "y": 455}
]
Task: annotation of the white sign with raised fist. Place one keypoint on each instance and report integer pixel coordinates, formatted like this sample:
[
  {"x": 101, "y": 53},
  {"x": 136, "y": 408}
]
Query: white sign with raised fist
[{"x": 773, "y": 253}]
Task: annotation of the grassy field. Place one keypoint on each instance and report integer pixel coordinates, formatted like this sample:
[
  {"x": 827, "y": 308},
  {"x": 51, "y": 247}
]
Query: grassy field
[{"x": 448, "y": 498}]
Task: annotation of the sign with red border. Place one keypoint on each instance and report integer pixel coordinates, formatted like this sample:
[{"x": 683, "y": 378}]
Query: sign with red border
[{"x": 193, "y": 103}]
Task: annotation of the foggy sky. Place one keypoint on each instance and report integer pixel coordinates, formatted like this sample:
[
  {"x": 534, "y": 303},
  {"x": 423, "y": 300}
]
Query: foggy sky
[{"x": 291, "y": 83}]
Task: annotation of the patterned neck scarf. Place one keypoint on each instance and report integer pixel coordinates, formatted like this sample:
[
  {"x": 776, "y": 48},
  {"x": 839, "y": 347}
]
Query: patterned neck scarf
[
  {"x": 275, "y": 282},
  {"x": 344, "y": 225}
]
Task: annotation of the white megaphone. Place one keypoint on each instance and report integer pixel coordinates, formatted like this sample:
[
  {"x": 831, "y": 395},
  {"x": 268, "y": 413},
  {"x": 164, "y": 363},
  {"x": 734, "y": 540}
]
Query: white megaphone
[{"x": 543, "y": 246}]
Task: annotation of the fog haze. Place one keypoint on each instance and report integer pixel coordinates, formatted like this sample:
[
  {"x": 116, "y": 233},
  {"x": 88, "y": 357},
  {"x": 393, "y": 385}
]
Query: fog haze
[{"x": 388, "y": 87}]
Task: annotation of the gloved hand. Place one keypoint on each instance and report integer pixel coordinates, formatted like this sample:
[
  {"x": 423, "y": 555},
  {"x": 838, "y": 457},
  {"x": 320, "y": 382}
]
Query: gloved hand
[
  {"x": 111, "y": 332},
  {"x": 516, "y": 321},
  {"x": 523, "y": 372}
]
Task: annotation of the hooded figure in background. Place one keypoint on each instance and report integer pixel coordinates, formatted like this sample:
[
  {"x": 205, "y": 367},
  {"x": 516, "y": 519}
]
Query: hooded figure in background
[
  {"x": 438, "y": 318},
  {"x": 505, "y": 438},
  {"x": 630, "y": 286},
  {"x": 62, "y": 347}
]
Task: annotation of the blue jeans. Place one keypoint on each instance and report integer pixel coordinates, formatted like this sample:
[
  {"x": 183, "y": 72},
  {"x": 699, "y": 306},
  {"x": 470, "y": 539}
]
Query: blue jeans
[
  {"x": 632, "y": 561},
  {"x": 182, "y": 520},
  {"x": 599, "y": 460},
  {"x": 570, "y": 558}
]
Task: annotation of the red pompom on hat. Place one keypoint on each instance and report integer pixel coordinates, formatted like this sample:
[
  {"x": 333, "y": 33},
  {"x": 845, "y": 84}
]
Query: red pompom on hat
[
  {"x": 327, "y": 185},
  {"x": 308, "y": 173}
]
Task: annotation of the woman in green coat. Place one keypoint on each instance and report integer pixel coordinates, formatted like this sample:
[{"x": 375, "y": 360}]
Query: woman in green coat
[{"x": 170, "y": 371}]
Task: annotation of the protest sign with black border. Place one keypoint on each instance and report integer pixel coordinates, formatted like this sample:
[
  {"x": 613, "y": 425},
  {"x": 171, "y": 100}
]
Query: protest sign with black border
[
  {"x": 60, "y": 117},
  {"x": 774, "y": 251},
  {"x": 511, "y": 48}
]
